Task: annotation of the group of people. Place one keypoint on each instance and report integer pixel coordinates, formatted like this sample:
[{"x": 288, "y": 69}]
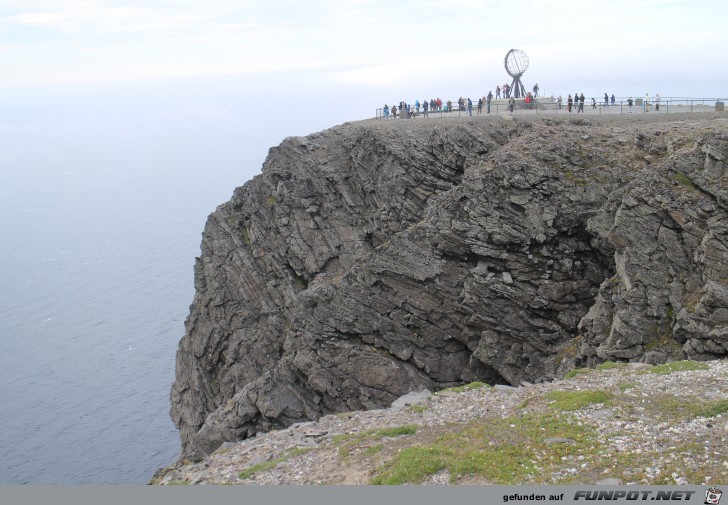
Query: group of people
[
  {"x": 575, "y": 102},
  {"x": 507, "y": 89}
]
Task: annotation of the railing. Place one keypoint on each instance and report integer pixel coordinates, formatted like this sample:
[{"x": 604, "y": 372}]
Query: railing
[{"x": 546, "y": 105}]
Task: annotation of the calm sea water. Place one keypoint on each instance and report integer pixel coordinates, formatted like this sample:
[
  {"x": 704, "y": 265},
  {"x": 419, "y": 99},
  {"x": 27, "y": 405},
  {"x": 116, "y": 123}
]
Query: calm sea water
[{"x": 99, "y": 228}]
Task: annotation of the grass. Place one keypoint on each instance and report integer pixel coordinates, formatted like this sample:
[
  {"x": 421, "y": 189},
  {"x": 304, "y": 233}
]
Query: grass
[
  {"x": 576, "y": 371},
  {"x": 371, "y": 451},
  {"x": 350, "y": 440},
  {"x": 269, "y": 465},
  {"x": 611, "y": 365},
  {"x": 626, "y": 386},
  {"x": 713, "y": 409},
  {"x": 676, "y": 366},
  {"x": 300, "y": 282},
  {"x": 575, "y": 400},
  {"x": 684, "y": 181},
  {"x": 466, "y": 387},
  {"x": 501, "y": 451},
  {"x": 419, "y": 409},
  {"x": 395, "y": 432},
  {"x": 607, "y": 365}
]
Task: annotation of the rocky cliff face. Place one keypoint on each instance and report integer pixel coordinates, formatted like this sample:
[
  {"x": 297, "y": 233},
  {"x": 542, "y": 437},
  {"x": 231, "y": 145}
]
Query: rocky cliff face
[{"x": 382, "y": 257}]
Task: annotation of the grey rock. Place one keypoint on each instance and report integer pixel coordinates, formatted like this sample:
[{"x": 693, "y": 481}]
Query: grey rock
[
  {"x": 559, "y": 440},
  {"x": 601, "y": 414},
  {"x": 412, "y": 398},
  {"x": 378, "y": 258},
  {"x": 610, "y": 481}
]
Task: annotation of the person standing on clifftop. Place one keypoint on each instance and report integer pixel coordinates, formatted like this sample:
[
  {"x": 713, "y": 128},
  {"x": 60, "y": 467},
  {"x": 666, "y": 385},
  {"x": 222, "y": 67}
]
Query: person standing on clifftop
[
  {"x": 511, "y": 104},
  {"x": 488, "y": 100},
  {"x": 569, "y": 102},
  {"x": 425, "y": 106},
  {"x": 480, "y": 106},
  {"x": 386, "y": 111},
  {"x": 581, "y": 103},
  {"x": 612, "y": 99},
  {"x": 606, "y": 100},
  {"x": 535, "y": 90},
  {"x": 559, "y": 101}
]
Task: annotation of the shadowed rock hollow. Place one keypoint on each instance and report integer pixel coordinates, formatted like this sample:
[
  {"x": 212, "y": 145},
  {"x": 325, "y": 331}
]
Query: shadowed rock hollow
[{"x": 382, "y": 257}]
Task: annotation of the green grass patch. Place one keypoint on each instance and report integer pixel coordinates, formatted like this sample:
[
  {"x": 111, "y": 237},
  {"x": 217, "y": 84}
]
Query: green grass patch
[
  {"x": 684, "y": 181},
  {"x": 506, "y": 451},
  {"x": 611, "y": 365},
  {"x": 394, "y": 432},
  {"x": 713, "y": 408},
  {"x": 371, "y": 451},
  {"x": 466, "y": 387},
  {"x": 575, "y": 400},
  {"x": 269, "y": 465},
  {"x": 350, "y": 440},
  {"x": 419, "y": 409},
  {"x": 676, "y": 366},
  {"x": 576, "y": 371},
  {"x": 626, "y": 386}
]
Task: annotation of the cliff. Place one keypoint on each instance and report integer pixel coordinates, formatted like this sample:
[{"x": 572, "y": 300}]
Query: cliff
[{"x": 382, "y": 257}]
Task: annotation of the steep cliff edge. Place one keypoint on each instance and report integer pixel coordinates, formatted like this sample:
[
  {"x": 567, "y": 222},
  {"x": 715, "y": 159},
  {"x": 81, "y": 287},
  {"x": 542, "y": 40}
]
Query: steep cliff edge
[{"x": 378, "y": 258}]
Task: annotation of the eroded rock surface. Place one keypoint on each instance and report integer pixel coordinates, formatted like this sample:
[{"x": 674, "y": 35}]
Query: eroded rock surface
[{"x": 382, "y": 257}]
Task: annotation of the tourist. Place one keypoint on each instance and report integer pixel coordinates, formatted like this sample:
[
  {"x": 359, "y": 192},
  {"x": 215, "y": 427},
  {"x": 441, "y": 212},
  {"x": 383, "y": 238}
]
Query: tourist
[
  {"x": 488, "y": 100},
  {"x": 511, "y": 104},
  {"x": 535, "y": 90},
  {"x": 480, "y": 106},
  {"x": 425, "y": 106},
  {"x": 594, "y": 103},
  {"x": 470, "y": 107},
  {"x": 394, "y": 112},
  {"x": 569, "y": 102},
  {"x": 559, "y": 101},
  {"x": 497, "y": 92},
  {"x": 612, "y": 99},
  {"x": 606, "y": 100},
  {"x": 386, "y": 111},
  {"x": 581, "y": 103},
  {"x": 630, "y": 102}
]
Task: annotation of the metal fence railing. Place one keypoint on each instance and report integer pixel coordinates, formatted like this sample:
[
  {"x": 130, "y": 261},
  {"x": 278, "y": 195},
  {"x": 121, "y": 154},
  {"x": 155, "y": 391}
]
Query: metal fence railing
[{"x": 547, "y": 105}]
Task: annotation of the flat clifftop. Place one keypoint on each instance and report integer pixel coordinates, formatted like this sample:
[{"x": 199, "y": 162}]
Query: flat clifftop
[
  {"x": 382, "y": 257},
  {"x": 618, "y": 424}
]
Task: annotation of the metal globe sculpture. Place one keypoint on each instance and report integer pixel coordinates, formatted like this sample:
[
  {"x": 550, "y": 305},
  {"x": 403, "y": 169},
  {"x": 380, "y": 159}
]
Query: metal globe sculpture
[{"x": 516, "y": 63}]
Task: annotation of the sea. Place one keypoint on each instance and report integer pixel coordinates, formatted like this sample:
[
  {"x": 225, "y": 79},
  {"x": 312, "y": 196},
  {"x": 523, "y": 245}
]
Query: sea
[{"x": 103, "y": 199}]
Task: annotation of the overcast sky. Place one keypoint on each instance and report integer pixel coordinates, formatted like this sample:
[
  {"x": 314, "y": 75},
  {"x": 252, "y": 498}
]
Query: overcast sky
[{"x": 348, "y": 57}]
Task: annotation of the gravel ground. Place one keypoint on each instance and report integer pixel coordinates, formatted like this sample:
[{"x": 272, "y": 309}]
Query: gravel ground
[{"x": 637, "y": 427}]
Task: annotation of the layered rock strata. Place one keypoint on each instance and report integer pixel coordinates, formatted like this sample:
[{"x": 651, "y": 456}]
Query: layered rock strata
[{"x": 382, "y": 257}]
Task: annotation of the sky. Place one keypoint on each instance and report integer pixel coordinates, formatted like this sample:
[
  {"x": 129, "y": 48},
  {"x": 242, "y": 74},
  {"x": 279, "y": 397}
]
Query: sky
[{"x": 277, "y": 68}]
